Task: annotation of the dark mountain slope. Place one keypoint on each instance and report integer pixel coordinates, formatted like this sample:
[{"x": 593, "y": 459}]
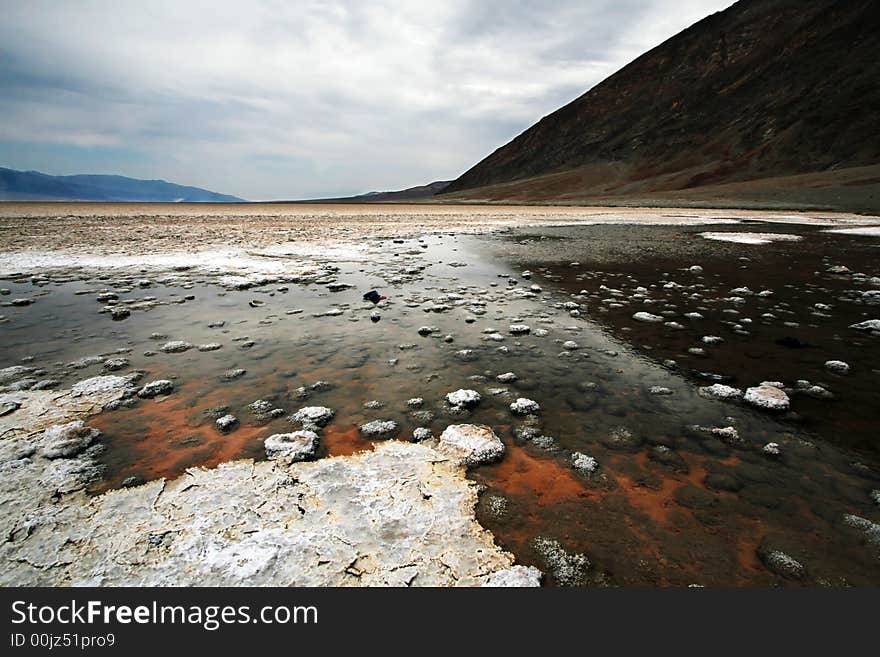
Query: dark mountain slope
[{"x": 765, "y": 88}]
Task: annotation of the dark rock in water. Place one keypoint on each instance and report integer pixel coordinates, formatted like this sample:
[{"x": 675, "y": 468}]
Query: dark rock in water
[
  {"x": 373, "y": 296},
  {"x": 132, "y": 481}
]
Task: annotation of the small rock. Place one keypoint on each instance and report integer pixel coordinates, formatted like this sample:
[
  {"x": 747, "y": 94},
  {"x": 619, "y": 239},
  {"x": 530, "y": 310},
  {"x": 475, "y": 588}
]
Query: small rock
[
  {"x": 771, "y": 449},
  {"x": 313, "y": 416},
  {"x": 115, "y": 364},
  {"x": 781, "y": 563},
  {"x": 523, "y": 406},
  {"x": 155, "y": 388},
  {"x": 175, "y": 347},
  {"x": 647, "y": 317},
  {"x": 727, "y": 434},
  {"x": 118, "y": 314},
  {"x": 767, "y": 397},
  {"x": 868, "y": 325},
  {"x": 870, "y": 529},
  {"x": 296, "y": 446},
  {"x": 463, "y": 398},
  {"x": 584, "y": 463},
  {"x": 837, "y": 366},
  {"x": 470, "y": 444},
  {"x": 261, "y": 407},
  {"x": 720, "y": 391},
  {"x": 226, "y": 423}
]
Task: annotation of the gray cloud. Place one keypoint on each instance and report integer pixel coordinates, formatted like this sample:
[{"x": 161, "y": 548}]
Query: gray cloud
[{"x": 273, "y": 99}]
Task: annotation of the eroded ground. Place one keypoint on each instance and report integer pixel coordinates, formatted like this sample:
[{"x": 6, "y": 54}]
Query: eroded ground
[{"x": 267, "y": 303}]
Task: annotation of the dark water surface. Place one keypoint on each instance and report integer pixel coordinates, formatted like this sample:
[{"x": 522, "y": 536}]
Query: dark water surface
[{"x": 670, "y": 504}]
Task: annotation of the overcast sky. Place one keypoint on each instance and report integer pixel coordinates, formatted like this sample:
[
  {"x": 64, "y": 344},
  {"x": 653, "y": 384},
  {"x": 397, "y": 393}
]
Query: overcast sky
[{"x": 275, "y": 99}]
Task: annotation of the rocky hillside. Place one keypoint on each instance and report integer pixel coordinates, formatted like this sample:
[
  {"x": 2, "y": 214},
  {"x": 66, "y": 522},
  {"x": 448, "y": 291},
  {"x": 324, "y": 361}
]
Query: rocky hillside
[{"x": 766, "y": 88}]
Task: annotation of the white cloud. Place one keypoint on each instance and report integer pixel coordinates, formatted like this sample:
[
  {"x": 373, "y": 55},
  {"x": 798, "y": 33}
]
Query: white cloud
[{"x": 275, "y": 99}]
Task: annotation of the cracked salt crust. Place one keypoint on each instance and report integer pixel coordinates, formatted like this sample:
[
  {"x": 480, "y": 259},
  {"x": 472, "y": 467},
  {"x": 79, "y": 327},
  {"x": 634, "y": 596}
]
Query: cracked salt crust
[{"x": 399, "y": 515}]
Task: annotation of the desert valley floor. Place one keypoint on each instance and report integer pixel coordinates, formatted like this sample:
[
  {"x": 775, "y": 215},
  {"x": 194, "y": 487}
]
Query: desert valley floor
[{"x": 199, "y": 395}]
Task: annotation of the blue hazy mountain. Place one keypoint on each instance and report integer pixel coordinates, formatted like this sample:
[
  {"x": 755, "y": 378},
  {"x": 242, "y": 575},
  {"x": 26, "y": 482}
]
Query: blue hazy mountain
[{"x": 36, "y": 186}]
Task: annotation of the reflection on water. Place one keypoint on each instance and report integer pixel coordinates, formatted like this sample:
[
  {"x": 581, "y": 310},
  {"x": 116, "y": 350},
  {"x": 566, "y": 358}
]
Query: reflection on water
[{"x": 670, "y": 504}]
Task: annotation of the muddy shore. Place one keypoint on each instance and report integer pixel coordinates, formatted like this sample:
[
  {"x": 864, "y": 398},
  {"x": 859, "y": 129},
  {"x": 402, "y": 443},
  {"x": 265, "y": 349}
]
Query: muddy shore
[{"x": 153, "y": 325}]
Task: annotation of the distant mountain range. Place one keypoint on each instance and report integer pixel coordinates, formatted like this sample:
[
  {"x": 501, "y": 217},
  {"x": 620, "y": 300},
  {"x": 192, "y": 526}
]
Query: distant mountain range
[
  {"x": 36, "y": 186},
  {"x": 773, "y": 102}
]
